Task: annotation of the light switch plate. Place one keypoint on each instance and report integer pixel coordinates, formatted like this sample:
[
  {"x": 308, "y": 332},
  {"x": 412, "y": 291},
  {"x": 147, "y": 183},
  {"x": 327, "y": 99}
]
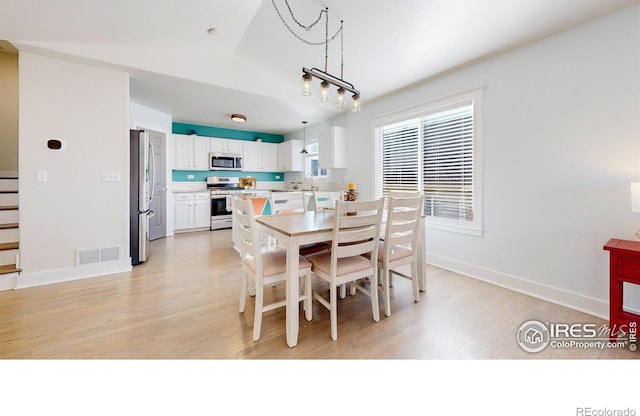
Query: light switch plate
[
  {"x": 42, "y": 176},
  {"x": 110, "y": 176}
]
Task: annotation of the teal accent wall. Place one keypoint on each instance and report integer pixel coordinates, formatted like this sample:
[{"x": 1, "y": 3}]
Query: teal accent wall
[
  {"x": 208, "y": 131},
  {"x": 201, "y": 176}
]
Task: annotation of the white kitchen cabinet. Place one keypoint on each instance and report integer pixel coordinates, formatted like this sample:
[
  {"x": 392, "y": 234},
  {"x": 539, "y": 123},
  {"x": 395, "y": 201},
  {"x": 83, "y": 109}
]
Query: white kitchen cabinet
[
  {"x": 332, "y": 148},
  {"x": 270, "y": 157},
  {"x": 289, "y": 157},
  {"x": 259, "y": 157},
  {"x": 226, "y": 145},
  {"x": 184, "y": 211},
  {"x": 192, "y": 210},
  {"x": 192, "y": 152},
  {"x": 202, "y": 210}
]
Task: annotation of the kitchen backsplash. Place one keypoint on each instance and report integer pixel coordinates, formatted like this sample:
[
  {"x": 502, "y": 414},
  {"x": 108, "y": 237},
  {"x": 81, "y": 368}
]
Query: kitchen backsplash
[
  {"x": 180, "y": 186},
  {"x": 189, "y": 186}
]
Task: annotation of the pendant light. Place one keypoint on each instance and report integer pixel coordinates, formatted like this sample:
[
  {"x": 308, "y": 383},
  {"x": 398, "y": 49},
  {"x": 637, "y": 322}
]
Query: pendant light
[{"x": 304, "y": 148}]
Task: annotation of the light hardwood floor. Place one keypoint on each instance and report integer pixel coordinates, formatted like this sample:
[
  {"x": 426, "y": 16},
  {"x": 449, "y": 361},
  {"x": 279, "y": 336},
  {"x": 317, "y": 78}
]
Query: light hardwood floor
[{"x": 183, "y": 303}]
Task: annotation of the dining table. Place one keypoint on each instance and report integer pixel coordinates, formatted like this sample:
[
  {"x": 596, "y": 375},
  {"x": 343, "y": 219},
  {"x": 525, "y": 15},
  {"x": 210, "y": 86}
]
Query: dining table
[{"x": 293, "y": 230}]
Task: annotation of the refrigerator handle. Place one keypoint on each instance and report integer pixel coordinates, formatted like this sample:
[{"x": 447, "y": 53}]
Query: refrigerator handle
[{"x": 152, "y": 170}]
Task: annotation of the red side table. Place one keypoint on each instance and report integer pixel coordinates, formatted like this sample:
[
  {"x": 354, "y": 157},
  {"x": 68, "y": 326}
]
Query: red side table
[{"x": 624, "y": 266}]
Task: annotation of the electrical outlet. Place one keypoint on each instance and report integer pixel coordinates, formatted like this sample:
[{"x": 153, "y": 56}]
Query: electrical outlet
[{"x": 42, "y": 176}]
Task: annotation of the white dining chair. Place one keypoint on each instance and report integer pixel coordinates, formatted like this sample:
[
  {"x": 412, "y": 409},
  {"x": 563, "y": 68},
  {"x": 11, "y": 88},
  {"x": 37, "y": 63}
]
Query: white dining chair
[
  {"x": 266, "y": 268},
  {"x": 288, "y": 202},
  {"x": 326, "y": 199},
  {"x": 399, "y": 245},
  {"x": 354, "y": 238}
]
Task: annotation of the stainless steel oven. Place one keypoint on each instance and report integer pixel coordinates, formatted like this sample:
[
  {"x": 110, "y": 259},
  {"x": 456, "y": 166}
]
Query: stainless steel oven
[
  {"x": 222, "y": 192},
  {"x": 221, "y": 215}
]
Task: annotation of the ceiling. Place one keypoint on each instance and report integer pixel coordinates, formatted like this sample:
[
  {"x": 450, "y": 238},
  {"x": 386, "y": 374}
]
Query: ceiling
[{"x": 253, "y": 65}]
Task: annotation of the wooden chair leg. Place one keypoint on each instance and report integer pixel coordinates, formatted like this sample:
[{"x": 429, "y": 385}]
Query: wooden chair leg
[
  {"x": 308, "y": 302},
  {"x": 414, "y": 281},
  {"x": 243, "y": 291},
  {"x": 374, "y": 296},
  {"x": 257, "y": 319},
  {"x": 334, "y": 312},
  {"x": 386, "y": 274}
]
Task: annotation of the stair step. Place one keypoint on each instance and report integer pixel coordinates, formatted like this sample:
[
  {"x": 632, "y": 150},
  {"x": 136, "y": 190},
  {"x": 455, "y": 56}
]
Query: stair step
[
  {"x": 8, "y": 185},
  {"x": 9, "y": 199},
  {"x": 9, "y": 268},
  {"x": 9, "y": 216},
  {"x": 9, "y": 256},
  {"x": 9, "y": 246},
  {"x": 8, "y": 207},
  {"x": 9, "y": 226},
  {"x": 9, "y": 235}
]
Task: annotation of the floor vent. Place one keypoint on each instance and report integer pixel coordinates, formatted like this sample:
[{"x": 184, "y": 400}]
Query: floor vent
[{"x": 97, "y": 255}]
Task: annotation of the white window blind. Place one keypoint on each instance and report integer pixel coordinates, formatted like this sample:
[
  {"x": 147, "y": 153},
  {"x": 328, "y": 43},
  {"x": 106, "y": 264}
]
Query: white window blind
[
  {"x": 434, "y": 150},
  {"x": 448, "y": 164},
  {"x": 400, "y": 158}
]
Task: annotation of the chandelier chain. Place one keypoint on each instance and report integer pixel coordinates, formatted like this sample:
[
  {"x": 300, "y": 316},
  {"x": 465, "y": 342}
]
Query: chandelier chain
[
  {"x": 326, "y": 41},
  {"x": 307, "y": 28}
]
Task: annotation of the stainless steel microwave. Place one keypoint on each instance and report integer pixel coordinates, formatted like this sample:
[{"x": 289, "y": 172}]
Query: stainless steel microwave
[{"x": 225, "y": 161}]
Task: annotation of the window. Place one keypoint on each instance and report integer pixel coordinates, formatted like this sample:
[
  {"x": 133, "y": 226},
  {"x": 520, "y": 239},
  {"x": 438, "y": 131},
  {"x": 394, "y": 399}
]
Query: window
[
  {"x": 312, "y": 161},
  {"x": 435, "y": 149}
]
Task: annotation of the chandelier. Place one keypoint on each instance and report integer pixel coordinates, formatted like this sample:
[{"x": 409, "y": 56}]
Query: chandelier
[{"x": 324, "y": 76}]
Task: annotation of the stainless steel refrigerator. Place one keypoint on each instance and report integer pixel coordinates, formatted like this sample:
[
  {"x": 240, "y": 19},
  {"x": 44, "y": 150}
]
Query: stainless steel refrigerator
[{"x": 141, "y": 194}]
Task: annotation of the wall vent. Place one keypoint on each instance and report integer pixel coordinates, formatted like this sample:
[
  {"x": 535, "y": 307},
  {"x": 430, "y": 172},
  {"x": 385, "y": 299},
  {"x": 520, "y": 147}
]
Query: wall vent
[
  {"x": 109, "y": 253},
  {"x": 97, "y": 255}
]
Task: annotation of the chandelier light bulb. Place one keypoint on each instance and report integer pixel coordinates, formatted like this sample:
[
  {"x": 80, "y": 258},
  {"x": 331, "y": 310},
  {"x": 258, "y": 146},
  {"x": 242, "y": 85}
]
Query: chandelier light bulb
[
  {"x": 306, "y": 84},
  {"x": 355, "y": 107},
  {"x": 340, "y": 101},
  {"x": 325, "y": 93}
]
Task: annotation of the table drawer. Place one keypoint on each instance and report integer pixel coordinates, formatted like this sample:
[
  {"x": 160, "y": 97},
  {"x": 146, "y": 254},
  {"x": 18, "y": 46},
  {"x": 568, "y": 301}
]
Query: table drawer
[{"x": 629, "y": 268}]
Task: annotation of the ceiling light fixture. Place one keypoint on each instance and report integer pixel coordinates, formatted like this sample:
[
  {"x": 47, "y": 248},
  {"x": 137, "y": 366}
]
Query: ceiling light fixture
[
  {"x": 326, "y": 78},
  {"x": 304, "y": 148},
  {"x": 238, "y": 118}
]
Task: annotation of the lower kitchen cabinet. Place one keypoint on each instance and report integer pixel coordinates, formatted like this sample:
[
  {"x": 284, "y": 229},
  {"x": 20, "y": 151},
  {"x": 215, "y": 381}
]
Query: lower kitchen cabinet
[{"x": 193, "y": 211}]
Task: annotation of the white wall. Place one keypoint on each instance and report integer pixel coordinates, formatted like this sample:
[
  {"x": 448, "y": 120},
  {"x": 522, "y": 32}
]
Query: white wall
[
  {"x": 87, "y": 107},
  {"x": 148, "y": 118},
  {"x": 561, "y": 142}
]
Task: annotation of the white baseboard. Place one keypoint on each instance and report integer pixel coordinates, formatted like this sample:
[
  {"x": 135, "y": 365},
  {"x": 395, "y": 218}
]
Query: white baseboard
[
  {"x": 558, "y": 296},
  {"x": 26, "y": 280}
]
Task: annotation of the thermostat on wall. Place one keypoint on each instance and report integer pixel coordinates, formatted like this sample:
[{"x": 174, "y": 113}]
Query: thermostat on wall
[{"x": 55, "y": 144}]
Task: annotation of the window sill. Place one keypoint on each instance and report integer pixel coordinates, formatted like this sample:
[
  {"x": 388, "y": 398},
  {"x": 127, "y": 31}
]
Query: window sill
[{"x": 460, "y": 229}]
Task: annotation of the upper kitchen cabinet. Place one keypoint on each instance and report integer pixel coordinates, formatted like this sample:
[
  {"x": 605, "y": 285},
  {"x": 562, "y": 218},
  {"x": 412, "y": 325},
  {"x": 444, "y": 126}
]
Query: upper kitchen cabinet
[
  {"x": 192, "y": 152},
  {"x": 226, "y": 145},
  {"x": 259, "y": 157},
  {"x": 332, "y": 148},
  {"x": 289, "y": 157}
]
